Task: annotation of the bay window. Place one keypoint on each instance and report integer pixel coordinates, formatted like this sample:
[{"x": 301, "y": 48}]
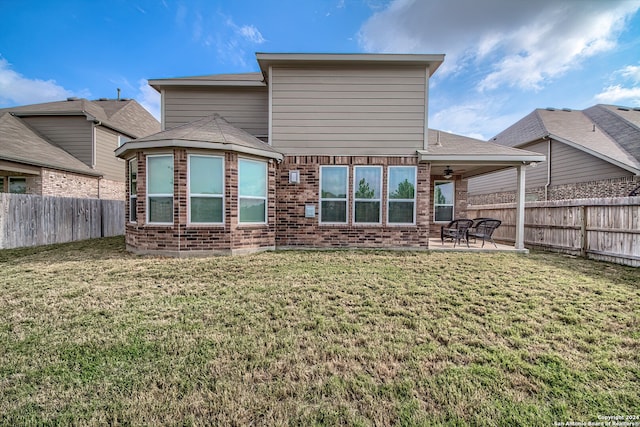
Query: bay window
[
  {"x": 133, "y": 190},
  {"x": 206, "y": 189},
  {"x": 160, "y": 189},
  {"x": 252, "y": 191}
]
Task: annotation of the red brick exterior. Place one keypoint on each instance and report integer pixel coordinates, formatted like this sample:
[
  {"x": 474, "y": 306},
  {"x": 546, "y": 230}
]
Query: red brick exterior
[
  {"x": 294, "y": 230},
  {"x": 183, "y": 239},
  {"x": 287, "y": 225}
]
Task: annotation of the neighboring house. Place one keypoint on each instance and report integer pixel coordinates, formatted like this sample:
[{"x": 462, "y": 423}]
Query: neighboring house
[
  {"x": 590, "y": 153},
  {"x": 66, "y": 148},
  {"x": 316, "y": 150}
]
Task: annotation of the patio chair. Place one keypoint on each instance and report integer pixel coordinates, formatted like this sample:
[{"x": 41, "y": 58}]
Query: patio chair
[
  {"x": 483, "y": 228},
  {"x": 455, "y": 230}
]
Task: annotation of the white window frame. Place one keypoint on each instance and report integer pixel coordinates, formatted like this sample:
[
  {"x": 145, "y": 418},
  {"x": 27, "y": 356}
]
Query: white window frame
[
  {"x": 148, "y": 195},
  {"x": 415, "y": 195},
  {"x": 333, "y": 199},
  {"x": 266, "y": 192},
  {"x": 355, "y": 190},
  {"x": 133, "y": 207},
  {"x": 212, "y": 196},
  {"x": 452, "y": 204}
]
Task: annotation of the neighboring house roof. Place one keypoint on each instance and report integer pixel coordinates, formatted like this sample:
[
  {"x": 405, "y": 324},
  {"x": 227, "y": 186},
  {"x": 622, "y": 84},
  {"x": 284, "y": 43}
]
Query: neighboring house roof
[
  {"x": 20, "y": 143},
  {"x": 472, "y": 156},
  {"x": 125, "y": 116},
  {"x": 600, "y": 131},
  {"x": 211, "y": 132}
]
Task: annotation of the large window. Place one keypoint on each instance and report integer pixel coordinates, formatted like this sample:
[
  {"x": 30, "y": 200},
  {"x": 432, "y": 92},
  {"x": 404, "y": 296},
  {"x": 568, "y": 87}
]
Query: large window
[
  {"x": 443, "y": 201},
  {"x": 206, "y": 187},
  {"x": 160, "y": 189},
  {"x": 367, "y": 194},
  {"x": 18, "y": 185},
  {"x": 334, "y": 184},
  {"x": 252, "y": 191},
  {"x": 401, "y": 195},
  {"x": 133, "y": 190}
]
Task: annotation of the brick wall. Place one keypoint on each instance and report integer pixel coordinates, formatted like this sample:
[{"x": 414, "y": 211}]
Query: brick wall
[
  {"x": 184, "y": 239},
  {"x": 68, "y": 184},
  {"x": 459, "y": 202},
  {"x": 616, "y": 187},
  {"x": 112, "y": 190},
  {"x": 295, "y": 230}
]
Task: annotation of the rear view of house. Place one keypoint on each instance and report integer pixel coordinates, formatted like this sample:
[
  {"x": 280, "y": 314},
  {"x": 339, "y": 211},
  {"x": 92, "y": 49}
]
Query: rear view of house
[
  {"x": 315, "y": 150},
  {"x": 66, "y": 148}
]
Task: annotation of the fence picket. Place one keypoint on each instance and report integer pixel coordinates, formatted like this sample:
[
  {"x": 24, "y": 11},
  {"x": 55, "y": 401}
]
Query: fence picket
[{"x": 32, "y": 220}]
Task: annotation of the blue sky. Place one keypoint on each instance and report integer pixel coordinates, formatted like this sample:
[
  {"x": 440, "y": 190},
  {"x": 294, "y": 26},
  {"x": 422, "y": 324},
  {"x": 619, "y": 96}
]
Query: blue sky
[{"x": 504, "y": 58}]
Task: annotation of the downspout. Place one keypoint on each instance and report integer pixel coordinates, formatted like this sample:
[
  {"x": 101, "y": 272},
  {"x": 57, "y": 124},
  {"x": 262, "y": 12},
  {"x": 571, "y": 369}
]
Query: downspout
[
  {"x": 546, "y": 186},
  {"x": 426, "y": 109}
]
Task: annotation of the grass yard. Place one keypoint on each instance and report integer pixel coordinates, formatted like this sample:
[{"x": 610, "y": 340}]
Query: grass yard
[{"x": 92, "y": 335}]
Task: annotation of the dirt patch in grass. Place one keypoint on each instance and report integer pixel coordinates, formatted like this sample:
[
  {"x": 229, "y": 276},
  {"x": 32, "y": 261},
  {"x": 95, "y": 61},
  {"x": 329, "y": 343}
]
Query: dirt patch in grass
[{"x": 94, "y": 335}]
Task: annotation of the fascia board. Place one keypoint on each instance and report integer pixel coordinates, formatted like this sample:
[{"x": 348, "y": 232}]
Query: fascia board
[
  {"x": 178, "y": 143},
  {"x": 480, "y": 158}
]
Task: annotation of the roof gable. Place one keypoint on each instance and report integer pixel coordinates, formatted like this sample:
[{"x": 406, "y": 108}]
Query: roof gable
[
  {"x": 125, "y": 116},
  {"x": 20, "y": 143}
]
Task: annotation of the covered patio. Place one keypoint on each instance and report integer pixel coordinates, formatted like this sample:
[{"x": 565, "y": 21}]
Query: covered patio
[{"x": 455, "y": 155}]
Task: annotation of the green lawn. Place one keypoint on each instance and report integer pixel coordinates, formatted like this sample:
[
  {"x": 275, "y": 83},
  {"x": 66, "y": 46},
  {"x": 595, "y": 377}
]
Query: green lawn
[{"x": 92, "y": 335}]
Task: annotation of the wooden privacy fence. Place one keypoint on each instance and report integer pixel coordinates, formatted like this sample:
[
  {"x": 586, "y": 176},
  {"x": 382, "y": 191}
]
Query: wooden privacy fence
[
  {"x": 31, "y": 220},
  {"x": 605, "y": 229}
]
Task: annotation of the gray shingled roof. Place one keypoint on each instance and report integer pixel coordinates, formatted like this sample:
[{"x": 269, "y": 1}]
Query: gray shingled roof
[
  {"x": 20, "y": 143},
  {"x": 212, "y": 130},
  {"x": 125, "y": 116},
  {"x": 597, "y": 130},
  {"x": 622, "y": 124},
  {"x": 449, "y": 143}
]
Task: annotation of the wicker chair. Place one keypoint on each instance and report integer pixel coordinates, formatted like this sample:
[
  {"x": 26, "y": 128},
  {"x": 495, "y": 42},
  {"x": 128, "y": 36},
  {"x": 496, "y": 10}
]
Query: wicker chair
[
  {"x": 483, "y": 228},
  {"x": 455, "y": 230}
]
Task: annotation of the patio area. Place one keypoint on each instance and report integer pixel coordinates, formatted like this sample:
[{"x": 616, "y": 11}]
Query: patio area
[{"x": 436, "y": 245}]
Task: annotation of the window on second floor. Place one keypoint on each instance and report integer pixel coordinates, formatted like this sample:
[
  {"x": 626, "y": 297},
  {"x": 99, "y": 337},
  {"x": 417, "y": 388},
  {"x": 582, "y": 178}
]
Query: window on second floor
[{"x": 160, "y": 189}]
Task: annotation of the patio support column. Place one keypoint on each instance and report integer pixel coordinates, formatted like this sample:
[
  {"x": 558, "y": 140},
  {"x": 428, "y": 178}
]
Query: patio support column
[{"x": 520, "y": 207}]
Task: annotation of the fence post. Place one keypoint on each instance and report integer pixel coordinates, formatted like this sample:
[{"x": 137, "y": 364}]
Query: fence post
[{"x": 584, "y": 241}]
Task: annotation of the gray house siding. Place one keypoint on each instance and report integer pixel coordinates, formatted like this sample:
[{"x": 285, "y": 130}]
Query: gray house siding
[
  {"x": 330, "y": 110},
  {"x": 106, "y": 161},
  {"x": 73, "y": 134},
  {"x": 568, "y": 165},
  {"x": 246, "y": 108}
]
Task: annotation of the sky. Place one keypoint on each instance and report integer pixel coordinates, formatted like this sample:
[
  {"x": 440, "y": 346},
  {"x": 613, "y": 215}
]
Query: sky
[{"x": 504, "y": 58}]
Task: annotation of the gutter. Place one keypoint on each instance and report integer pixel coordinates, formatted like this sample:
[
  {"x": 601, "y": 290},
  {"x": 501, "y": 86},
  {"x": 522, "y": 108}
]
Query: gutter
[{"x": 546, "y": 186}]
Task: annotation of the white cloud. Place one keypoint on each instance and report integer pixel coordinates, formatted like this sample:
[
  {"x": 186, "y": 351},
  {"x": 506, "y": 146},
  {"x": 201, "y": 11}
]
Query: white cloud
[
  {"x": 149, "y": 98},
  {"x": 512, "y": 43},
  {"x": 626, "y": 91},
  {"x": 631, "y": 72},
  {"x": 473, "y": 119},
  {"x": 617, "y": 94},
  {"x": 16, "y": 89},
  {"x": 251, "y": 33}
]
